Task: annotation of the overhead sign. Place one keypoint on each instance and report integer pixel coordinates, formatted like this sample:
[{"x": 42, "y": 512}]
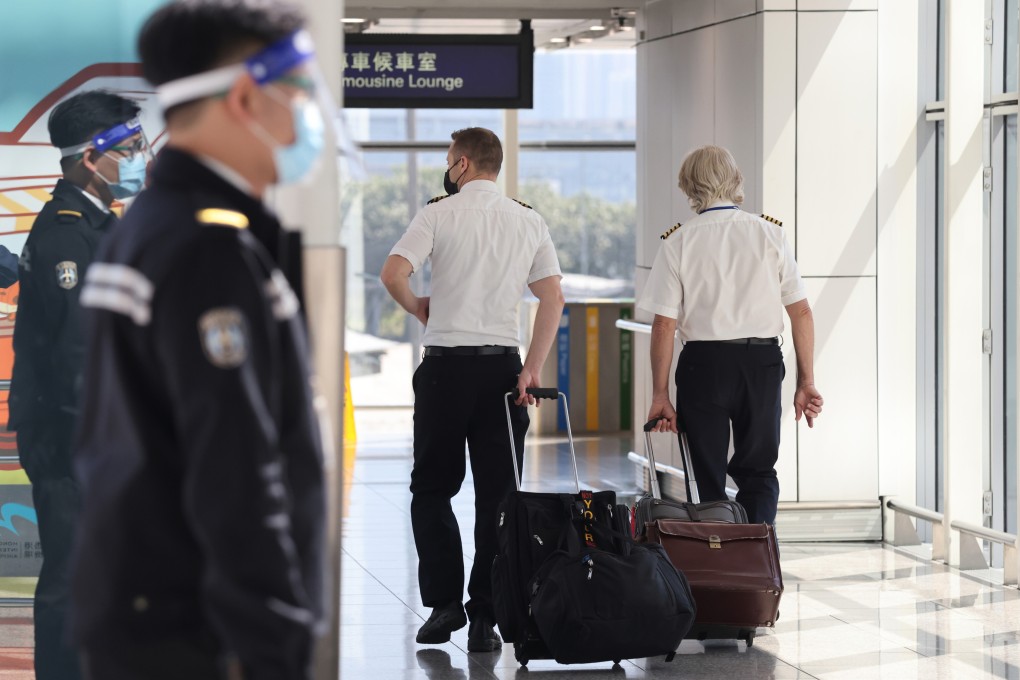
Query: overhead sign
[{"x": 438, "y": 71}]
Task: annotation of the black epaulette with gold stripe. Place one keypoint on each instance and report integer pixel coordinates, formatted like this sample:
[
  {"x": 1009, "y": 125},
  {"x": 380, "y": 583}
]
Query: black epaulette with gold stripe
[
  {"x": 437, "y": 199},
  {"x": 665, "y": 234},
  {"x": 773, "y": 220},
  {"x": 522, "y": 203},
  {"x": 220, "y": 217}
]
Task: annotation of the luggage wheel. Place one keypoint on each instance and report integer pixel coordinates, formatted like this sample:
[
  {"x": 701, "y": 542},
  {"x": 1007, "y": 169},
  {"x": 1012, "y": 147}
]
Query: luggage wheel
[
  {"x": 749, "y": 638},
  {"x": 616, "y": 662}
]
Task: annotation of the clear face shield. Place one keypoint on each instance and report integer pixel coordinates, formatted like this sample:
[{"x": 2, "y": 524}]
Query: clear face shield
[
  {"x": 125, "y": 144},
  {"x": 287, "y": 72}
]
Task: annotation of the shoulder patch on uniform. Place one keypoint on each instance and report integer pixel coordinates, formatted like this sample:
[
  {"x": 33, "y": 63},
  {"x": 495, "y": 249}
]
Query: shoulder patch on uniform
[
  {"x": 773, "y": 220},
  {"x": 224, "y": 335},
  {"x": 522, "y": 203},
  {"x": 69, "y": 215},
  {"x": 219, "y": 217},
  {"x": 437, "y": 199},
  {"x": 67, "y": 274},
  {"x": 665, "y": 234}
]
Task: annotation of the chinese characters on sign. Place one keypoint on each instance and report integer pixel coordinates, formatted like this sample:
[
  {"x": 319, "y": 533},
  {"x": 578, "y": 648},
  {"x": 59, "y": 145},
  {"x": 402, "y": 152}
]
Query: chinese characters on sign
[
  {"x": 453, "y": 71},
  {"x": 382, "y": 62},
  {"x": 406, "y": 63}
]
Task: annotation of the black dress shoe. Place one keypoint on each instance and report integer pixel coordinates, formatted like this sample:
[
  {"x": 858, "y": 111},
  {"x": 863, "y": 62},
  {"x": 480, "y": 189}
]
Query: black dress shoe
[
  {"x": 442, "y": 622},
  {"x": 482, "y": 637}
]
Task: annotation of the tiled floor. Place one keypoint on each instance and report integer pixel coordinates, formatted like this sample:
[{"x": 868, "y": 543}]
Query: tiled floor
[{"x": 850, "y": 611}]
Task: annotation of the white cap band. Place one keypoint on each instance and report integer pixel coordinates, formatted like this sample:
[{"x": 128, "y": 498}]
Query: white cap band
[
  {"x": 74, "y": 150},
  {"x": 197, "y": 86}
]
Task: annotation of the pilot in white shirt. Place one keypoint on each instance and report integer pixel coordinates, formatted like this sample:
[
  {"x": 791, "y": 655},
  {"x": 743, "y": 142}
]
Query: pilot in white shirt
[
  {"x": 485, "y": 248},
  {"x": 723, "y": 279}
]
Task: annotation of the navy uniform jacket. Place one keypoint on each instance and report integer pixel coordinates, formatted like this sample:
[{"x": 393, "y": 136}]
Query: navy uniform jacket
[
  {"x": 49, "y": 341},
  {"x": 8, "y": 268},
  {"x": 199, "y": 452}
]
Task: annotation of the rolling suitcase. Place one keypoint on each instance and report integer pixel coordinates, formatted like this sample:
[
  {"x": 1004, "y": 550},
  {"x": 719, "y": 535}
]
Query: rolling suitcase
[
  {"x": 733, "y": 569},
  {"x": 564, "y": 572},
  {"x": 530, "y": 528},
  {"x": 653, "y": 506}
]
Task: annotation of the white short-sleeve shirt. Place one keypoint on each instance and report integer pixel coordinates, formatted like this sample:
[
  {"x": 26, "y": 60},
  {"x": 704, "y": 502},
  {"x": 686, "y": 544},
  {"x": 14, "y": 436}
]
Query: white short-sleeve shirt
[
  {"x": 485, "y": 249},
  {"x": 726, "y": 274}
]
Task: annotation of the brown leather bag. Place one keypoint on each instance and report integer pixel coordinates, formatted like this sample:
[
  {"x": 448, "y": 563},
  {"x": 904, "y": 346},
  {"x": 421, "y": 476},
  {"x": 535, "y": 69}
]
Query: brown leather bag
[{"x": 733, "y": 570}]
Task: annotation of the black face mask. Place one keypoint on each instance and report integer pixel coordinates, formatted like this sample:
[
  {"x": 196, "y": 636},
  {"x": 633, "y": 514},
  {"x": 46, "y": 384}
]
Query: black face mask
[{"x": 448, "y": 184}]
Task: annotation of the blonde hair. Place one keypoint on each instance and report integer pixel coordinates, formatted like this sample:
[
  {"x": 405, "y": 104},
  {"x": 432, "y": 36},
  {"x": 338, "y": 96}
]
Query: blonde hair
[{"x": 709, "y": 174}]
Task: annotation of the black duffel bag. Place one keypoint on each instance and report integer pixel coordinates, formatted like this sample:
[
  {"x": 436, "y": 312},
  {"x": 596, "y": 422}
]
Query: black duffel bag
[
  {"x": 594, "y": 605},
  {"x": 531, "y": 528}
]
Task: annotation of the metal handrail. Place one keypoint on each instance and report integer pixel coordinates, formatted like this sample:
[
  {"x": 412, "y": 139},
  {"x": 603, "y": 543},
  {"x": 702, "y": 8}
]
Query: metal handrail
[
  {"x": 915, "y": 511},
  {"x": 16, "y": 601},
  {"x": 993, "y": 535},
  {"x": 565, "y": 145},
  {"x": 670, "y": 470},
  {"x": 821, "y": 506},
  {"x": 636, "y": 326}
]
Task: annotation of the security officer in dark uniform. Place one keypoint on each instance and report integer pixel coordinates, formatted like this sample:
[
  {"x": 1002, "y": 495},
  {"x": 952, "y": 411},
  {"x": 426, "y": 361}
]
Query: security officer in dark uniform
[
  {"x": 8, "y": 268},
  {"x": 200, "y": 553},
  {"x": 724, "y": 278},
  {"x": 102, "y": 148}
]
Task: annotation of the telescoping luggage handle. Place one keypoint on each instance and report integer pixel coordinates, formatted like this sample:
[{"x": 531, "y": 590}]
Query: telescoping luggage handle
[
  {"x": 690, "y": 482},
  {"x": 541, "y": 393}
]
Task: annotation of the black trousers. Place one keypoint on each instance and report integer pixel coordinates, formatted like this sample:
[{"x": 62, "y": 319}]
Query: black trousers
[
  {"x": 723, "y": 384},
  {"x": 45, "y": 455},
  {"x": 459, "y": 399}
]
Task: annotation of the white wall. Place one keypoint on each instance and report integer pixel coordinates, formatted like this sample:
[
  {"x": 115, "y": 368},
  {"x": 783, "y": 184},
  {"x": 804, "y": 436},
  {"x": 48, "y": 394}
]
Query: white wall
[{"x": 827, "y": 145}]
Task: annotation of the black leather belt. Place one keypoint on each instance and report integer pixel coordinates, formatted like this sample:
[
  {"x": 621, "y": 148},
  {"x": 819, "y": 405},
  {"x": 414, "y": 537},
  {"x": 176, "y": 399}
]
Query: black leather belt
[
  {"x": 470, "y": 351},
  {"x": 737, "y": 341}
]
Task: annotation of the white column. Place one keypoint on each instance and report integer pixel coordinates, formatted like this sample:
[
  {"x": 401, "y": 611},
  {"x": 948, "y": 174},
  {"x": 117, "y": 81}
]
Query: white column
[
  {"x": 315, "y": 210},
  {"x": 900, "y": 105},
  {"x": 966, "y": 420},
  {"x": 511, "y": 154}
]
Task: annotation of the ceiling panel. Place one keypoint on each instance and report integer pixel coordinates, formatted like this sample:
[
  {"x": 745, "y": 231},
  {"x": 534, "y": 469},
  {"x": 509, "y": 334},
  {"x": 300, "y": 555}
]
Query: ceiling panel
[{"x": 580, "y": 33}]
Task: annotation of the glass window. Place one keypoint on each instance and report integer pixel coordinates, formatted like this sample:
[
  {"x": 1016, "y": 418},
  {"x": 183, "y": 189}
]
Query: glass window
[
  {"x": 583, "y": 95},
  {"x": 588, "y": 200},
  {"x": 588, "y": 197},
  {"x": 941, "y": 86},
  {"x": 378, "y": 201},
  {"x": 940, "y": 319},
  {"x": 1010, "y": 363},
  {"x": 1010, "y": 66},
  {"x": 431, "y": 125}
]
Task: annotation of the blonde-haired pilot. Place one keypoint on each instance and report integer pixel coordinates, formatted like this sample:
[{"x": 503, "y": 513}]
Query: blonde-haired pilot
[{"x": 724, "y": 278}]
